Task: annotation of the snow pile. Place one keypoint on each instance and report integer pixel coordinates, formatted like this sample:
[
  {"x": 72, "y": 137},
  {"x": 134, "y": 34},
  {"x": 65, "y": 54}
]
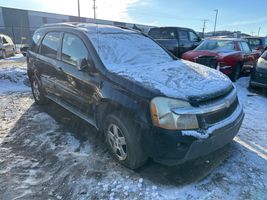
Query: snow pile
[
  {"x": 138, "y": 58},
  {"x": 12, "y": 79},
  {"x": 16, "y": 58}
]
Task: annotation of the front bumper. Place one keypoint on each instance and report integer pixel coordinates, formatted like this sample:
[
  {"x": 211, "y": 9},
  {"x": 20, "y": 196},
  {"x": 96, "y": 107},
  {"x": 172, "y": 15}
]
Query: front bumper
[
  {"x": 259, "y": 77},
  {"x": 175, "y": 147}
]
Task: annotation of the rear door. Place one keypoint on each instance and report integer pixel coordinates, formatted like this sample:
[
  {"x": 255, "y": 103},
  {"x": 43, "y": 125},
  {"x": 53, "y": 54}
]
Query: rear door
[{"x": 47, "y": 66}]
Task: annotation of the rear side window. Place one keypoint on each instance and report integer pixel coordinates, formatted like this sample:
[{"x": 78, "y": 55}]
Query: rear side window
[
  {"x": 193, "y": 37},
  {"x": 73, "y": 49},
  {"x": 4, "y": 40},
  {"x": 163, "y": 33},
  {"x": 265, "y": 41},
  {"x": 154, "y": 33},
  {"x": 8, "y": 39},
  {"x": 183, "y": 35},
  {"x": 50, "y": 44},
  {"x": 168, "y": 34}
]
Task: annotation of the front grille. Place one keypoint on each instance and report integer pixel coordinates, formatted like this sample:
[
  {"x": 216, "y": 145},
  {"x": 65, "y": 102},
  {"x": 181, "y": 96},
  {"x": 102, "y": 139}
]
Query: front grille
[
  {"x": 209, "y": 61},
  {"x": 217, "y": 116}
]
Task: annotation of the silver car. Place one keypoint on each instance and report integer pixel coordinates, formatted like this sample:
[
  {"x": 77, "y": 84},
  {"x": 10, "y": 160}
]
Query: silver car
[{"x": 7, "y": 47}]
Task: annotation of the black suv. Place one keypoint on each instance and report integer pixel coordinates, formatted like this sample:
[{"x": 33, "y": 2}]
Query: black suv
[
  {"x": 176, "y": 39},
  {"x": 145, "y": 101}
]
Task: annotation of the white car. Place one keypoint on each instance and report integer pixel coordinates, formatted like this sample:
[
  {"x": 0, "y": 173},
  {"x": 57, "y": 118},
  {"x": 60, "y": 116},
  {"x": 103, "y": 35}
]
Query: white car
[{"x": 7, "y": 47}]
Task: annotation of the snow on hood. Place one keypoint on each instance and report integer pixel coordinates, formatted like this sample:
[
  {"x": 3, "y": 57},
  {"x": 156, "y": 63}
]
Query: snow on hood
[
  {"x": 177, "y": 79},
  {"x": 140, "y": 59}
]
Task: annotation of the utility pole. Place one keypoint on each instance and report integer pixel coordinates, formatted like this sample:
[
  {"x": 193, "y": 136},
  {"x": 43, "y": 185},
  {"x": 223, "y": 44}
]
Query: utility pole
[
  {"x": 259, "y": 31},
  {"x": 204, "y": 26},
  {"x": 79, "y": 14},
  {"x": 94, "y": 7},
  {"x": 215, "y": 24}
]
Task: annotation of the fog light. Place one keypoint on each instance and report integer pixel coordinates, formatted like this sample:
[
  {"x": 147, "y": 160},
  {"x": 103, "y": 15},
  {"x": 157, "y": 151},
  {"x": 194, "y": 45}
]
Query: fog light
[{"x": 179, "y": 144}]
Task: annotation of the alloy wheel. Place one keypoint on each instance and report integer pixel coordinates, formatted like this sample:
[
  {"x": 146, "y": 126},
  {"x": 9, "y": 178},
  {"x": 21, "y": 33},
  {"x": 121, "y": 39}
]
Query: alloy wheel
[
  {"x": 117, "y": 141},
  {"x": 36, "y": 91}
]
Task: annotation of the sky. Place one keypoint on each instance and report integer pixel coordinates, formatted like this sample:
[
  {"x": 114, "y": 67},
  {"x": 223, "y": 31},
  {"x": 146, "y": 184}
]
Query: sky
[{"x": 235, "y": 15}]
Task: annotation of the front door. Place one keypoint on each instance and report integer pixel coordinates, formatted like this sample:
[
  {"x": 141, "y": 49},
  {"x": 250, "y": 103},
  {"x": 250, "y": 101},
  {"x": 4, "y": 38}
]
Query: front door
[{"x": 79, "y": 87}]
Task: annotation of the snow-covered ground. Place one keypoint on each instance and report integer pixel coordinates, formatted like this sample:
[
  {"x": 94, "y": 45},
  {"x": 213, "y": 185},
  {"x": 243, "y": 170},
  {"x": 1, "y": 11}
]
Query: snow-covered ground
[{"x": 47, "y": 153}]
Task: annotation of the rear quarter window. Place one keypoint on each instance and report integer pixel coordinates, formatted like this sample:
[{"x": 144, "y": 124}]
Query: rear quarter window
[{"x": 36, "y": 41}]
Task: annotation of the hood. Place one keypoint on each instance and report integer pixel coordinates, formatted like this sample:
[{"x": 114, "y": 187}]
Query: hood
[
  {"x": 191, "y": 55},
  {"x": 177, "y": 79}
]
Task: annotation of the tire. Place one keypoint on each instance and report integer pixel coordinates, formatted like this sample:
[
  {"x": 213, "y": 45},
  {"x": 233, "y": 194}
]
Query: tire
[
  {"x": 13, "y": 52},
  {"x": 3, "y": 54},
  {"x": 123, "y": 141},
  {"x": 236, "y": 73},
  {"x": 37, "y": 93}
]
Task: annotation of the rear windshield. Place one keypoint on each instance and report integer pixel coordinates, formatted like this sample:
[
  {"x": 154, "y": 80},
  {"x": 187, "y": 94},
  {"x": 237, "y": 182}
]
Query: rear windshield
[
  {"x": 127, "y": 49},
  {"x": 213, "y": 45}
]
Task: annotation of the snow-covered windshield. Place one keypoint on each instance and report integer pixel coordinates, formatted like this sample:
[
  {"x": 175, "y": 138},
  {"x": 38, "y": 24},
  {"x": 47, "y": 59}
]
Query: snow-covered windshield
[
  {"x": 127, "y": 49},
  {"x": 213, "y": 45}
]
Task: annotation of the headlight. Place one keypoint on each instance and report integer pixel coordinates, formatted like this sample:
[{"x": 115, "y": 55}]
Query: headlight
[
  {"x": 262, "y": 63},
  {"x": 163, "y": 117}
]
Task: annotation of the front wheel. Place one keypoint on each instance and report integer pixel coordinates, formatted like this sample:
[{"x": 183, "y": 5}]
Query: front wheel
[
  {"x": 38, "y": 93},
  {"x": 123, "y": 141}
]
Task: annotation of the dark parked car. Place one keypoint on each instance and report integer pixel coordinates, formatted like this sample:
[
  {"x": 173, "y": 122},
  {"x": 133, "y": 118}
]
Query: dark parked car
[
  {"x": 257, "y": 43},
  {"x": 7, "y": 47},
  {"x": 145, "y": 101},
  {"x": 229, "y": 55},
  {"x": 175, "y": 39},
  {"x": 259, "y": 73}
]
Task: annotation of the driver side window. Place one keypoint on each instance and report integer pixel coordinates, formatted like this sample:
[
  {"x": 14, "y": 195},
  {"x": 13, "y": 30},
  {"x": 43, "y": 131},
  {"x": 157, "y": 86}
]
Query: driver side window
[
  {"x": 244, "y": 47},
  {"x": 73, "y": 49},
  {"x": 193, "y": 37}
]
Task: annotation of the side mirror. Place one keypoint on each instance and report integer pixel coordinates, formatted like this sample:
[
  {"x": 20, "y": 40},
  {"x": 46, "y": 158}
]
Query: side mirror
[{"x": 83, "y": 64}]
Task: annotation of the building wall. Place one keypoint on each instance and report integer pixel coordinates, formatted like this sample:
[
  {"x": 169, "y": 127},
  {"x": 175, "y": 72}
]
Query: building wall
[{"x": 21, "y": 24}]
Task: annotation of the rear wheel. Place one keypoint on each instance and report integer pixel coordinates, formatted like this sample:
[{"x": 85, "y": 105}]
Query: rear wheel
[
  {"x": 38, "y": 93},
  {"x": 3, "y": 54},
  {"x": 236, "y": 73},
  {"x": 123, "y": 141},
  {"x": 13, "y": 52}
]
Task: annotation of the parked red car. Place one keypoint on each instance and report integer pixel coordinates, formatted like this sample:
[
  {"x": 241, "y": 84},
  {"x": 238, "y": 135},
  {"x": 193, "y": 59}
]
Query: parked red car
[{"x": 229, "y": 55}]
